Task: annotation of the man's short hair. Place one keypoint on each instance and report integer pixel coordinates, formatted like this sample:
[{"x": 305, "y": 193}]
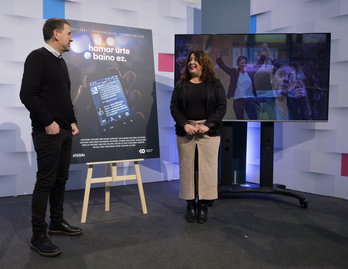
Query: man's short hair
[{"x": 51, "y": 25}]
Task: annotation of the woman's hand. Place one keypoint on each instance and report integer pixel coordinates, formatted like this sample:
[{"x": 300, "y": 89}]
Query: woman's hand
[
  {"x": 190, "y": 129},
  {"x": 202, "y": 129}
]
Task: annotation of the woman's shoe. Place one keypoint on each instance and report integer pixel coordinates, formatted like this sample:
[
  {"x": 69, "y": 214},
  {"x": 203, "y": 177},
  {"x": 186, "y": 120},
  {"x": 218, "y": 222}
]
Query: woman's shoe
[
  {"x": 191, "y": 210},
  {"x": 202, "y": 214}
]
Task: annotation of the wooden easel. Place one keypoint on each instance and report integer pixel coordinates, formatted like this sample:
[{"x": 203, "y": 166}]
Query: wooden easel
[{"x": 111, "y": 178}]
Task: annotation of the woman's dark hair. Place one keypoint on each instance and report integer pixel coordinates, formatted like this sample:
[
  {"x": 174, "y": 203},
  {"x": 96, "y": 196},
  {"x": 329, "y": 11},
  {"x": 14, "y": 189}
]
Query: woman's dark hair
[
  {"x": 51, "y": 25},
  {"x": 208, "y": 72}
]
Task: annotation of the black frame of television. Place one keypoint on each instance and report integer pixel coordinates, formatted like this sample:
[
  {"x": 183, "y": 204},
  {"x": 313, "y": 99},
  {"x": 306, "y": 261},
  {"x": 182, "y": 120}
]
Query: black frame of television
[{"x": 309, "y": 52}]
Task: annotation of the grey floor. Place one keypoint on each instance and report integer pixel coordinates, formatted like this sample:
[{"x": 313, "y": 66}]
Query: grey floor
[{"x": 243, "y": 231}]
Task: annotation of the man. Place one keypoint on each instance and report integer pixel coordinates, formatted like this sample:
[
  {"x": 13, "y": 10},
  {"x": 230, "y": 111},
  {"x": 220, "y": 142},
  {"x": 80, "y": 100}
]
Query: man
[{"x": 45, "y": 92}]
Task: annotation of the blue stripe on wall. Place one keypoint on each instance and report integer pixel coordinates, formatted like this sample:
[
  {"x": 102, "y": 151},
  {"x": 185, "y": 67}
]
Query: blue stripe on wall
[
  {"x": 252, "y": 24},
  {"x": 53, "y": 9}
]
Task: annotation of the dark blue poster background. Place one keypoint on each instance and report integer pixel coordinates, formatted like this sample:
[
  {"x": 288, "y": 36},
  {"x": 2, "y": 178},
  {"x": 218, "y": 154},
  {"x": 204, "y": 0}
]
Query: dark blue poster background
[{"x": 113, "y": 91}]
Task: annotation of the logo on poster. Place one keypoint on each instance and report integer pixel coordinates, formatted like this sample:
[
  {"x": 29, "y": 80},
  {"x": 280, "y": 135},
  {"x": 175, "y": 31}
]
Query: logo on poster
[{"x": 79, "y": 155}]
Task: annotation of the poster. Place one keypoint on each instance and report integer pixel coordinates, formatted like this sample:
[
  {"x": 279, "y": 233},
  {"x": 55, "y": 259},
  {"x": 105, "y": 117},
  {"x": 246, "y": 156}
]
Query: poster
[{"x": 113, "y": 91}]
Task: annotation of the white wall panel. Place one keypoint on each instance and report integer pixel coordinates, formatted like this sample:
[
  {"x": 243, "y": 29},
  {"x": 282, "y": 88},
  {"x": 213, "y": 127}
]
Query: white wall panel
[
  {"x": 285, "y": 16},
  {"x": 256, "y": 8},
  {"x": 32, "y": 8},
  {"x": 340, "y": 187},
  {"x": 341, "y": 144},
  {"x": 344, "y": 7},
  {"x": 337, "y": 72}
]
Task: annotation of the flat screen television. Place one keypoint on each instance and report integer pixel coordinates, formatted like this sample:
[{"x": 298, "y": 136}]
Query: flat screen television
[{"x": 267, "y": 77}]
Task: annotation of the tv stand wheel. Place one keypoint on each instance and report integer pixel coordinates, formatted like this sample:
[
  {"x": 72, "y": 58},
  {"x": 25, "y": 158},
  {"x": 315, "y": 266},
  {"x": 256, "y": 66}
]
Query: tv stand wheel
[{"x": 304, "y": 204}]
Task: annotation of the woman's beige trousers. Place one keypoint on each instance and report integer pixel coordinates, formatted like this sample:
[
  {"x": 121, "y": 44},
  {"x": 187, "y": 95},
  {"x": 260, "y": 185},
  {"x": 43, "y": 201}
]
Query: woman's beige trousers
[{"x": 208, "y": 151}]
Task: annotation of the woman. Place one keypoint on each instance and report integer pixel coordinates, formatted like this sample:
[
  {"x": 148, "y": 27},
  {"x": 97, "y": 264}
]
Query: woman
[{"x": 198, "y": 105}]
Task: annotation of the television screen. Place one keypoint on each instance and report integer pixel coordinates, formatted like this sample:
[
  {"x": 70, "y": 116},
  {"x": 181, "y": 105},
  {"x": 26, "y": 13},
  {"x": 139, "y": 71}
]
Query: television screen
[{"x": 267, "y": 77}]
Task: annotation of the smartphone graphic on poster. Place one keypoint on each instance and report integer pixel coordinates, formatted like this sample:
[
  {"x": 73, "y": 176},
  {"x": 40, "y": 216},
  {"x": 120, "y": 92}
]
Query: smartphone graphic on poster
[{"x": 109, "y": 98}]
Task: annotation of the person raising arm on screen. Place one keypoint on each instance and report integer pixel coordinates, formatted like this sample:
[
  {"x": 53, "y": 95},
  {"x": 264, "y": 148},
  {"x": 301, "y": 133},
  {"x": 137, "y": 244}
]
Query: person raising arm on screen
[{"x": 242, "y": 87}]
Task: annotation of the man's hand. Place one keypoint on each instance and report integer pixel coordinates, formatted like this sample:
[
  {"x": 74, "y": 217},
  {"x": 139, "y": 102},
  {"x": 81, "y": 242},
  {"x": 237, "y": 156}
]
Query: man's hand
[
  {"x": 74, "y": 129},
  {"x": 52, "y": 129}
]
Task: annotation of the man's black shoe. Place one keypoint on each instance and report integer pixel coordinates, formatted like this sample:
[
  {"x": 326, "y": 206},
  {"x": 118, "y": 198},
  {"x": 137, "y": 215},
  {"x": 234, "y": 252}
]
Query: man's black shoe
[
  {"x": 63, "y": 228},
  {"x": 44, "y": 246}
]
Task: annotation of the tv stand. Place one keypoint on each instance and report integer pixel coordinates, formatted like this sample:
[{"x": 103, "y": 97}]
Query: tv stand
[
  {"x": 266, "y": 171},
  {"x": 224, "y": 191}
]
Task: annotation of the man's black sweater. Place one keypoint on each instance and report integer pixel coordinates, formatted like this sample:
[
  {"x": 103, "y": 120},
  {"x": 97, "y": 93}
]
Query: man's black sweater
[{"x": 45, "y": 90}]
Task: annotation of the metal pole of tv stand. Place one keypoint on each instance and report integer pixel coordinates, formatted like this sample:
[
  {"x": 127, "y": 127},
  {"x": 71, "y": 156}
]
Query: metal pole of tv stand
[{"x": 266, "y": 171}]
